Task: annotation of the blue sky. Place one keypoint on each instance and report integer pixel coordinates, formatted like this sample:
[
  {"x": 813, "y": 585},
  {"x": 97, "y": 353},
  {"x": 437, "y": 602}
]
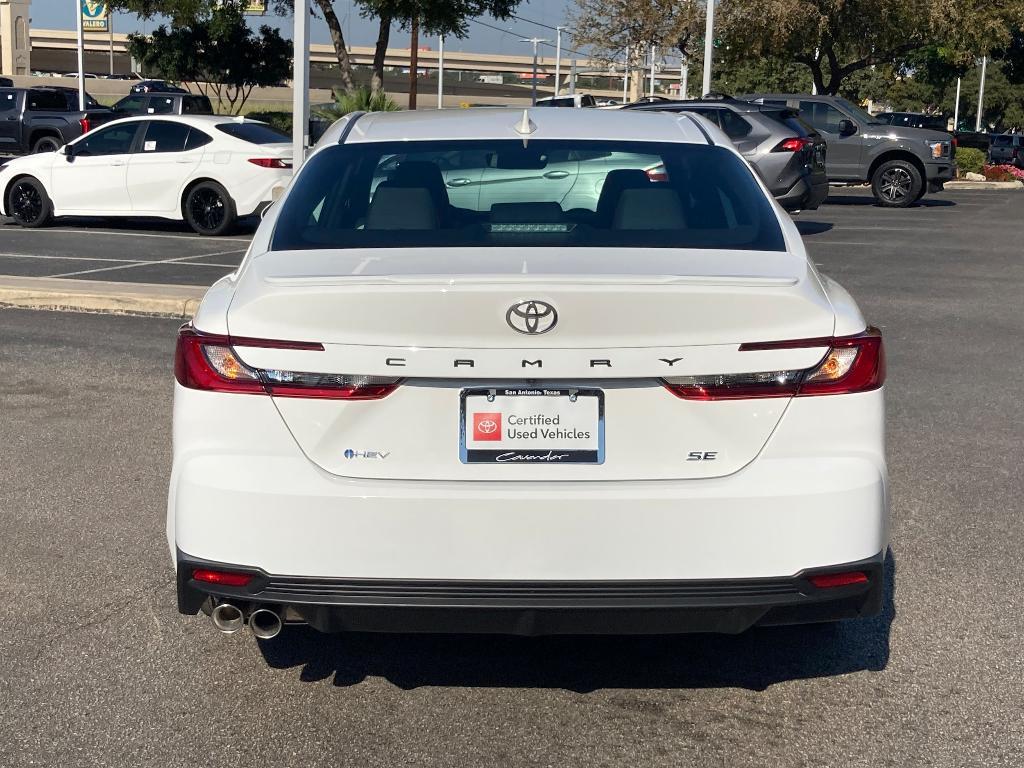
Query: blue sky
[{"x": 60, "y": 14}]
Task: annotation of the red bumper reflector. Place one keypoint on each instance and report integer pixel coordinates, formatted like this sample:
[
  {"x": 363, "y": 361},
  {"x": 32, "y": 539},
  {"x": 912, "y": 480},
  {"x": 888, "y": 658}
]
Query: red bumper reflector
[
  {"x": 829, "y": 580},
  {"x": 223, "y": 578}
]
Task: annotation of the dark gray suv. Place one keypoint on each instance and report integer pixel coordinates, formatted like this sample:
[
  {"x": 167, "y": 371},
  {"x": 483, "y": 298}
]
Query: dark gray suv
[
  {"x": 787, "y": 153},
  {"x": 901, "y": 163}
]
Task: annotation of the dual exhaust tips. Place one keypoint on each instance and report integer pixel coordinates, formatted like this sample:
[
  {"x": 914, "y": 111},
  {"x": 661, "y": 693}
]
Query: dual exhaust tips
[{"x": 265, "y": 623}]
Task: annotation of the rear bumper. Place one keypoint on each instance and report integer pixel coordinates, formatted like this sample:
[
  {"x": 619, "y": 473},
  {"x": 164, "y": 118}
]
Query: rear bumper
[
  {"x": 807, "y": 194},
  {"x": 542, "y": 608},
  {"x": 242, "y": 492}
]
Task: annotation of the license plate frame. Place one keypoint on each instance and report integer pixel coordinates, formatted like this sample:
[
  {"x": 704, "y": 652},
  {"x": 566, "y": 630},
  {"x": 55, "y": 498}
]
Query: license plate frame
[{"x": 532, "y": 456}]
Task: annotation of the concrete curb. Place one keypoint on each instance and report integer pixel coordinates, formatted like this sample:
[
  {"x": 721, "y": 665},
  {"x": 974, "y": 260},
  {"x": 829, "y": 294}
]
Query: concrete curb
[
  {"x": 100, "y": 296},
  {"x": 1006, "y": 185}
]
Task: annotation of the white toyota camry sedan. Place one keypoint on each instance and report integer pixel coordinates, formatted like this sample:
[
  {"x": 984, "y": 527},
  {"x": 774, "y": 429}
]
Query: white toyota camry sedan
[
  {"x": 449, "y": 389},
  {"x": 204, "y": 169}
]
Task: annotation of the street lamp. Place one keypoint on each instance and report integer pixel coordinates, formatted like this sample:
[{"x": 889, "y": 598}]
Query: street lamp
[
  {"x": 709, "y": 46},
  {"x": 536, "y": 41},
  {"x": 81, "y": 57},
  {"x": 558, "y": 61}
]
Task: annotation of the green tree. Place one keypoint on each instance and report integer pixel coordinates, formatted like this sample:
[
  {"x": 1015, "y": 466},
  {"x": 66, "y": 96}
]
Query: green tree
[
  {"x": 217, "y": 51},
  {"x": 837, "y": 39},
  {"x": 626, "y": 29},
  {"x": 432, "y": 17}
]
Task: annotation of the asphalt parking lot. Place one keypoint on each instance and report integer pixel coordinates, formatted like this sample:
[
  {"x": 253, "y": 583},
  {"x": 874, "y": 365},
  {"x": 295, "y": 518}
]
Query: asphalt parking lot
[
  {"x": 100, "y": 670},
  {"x": 121, "y": 251}
]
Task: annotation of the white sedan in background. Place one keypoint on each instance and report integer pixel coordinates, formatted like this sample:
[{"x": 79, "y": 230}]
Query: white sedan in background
[{"x": 207, "y": 170}]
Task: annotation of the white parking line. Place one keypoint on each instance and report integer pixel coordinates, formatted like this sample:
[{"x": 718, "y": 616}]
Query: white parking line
[
  {"x": 194, "y": 238},
  {"x": 183, "y": 260},
  {"x": 64, "y": 258}
]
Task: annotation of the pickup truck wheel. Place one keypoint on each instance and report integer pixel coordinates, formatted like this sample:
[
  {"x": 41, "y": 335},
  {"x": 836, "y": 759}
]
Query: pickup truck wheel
[
  {"x": 28, "y": 204},
  {"x": 46, "y": 144},
  {"x": 209, "y": 209},
  {"x": 897, "y": 184}
]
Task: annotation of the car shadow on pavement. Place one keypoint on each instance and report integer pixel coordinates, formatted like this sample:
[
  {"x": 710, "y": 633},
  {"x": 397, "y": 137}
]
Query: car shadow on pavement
[
  {"x": 924, "y": 202},
  {"x": 813, "y": 227},
  {"x": 753, "y": 660},
  {"x": 245, "y": 226}
]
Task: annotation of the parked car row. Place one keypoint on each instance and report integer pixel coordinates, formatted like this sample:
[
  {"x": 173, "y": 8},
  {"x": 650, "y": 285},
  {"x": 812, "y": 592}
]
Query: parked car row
[
  {"x": 203, "y": 169},
  {"x": 787, "y": 152},
  {"x": 799, "y": 144}
]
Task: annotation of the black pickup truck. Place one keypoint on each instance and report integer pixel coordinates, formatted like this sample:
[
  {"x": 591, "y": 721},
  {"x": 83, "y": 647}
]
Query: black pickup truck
[{"x": 45, "y": 119}]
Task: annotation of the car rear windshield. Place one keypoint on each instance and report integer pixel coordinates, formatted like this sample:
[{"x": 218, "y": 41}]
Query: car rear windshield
[
  {"x": 1002, "y": 141},
  {"x": 792, "y": 120},
  {"x": 254, "y": 133},
  {"x": 546, "y": 194}
]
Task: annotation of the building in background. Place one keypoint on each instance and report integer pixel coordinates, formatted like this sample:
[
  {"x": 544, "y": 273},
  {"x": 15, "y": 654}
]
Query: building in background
[{"x": 14, "y": 40}]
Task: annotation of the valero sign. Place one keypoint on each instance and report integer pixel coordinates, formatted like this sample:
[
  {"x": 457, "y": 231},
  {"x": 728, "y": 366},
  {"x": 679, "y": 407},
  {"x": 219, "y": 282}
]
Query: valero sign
[{"x": 94, "y": 15}]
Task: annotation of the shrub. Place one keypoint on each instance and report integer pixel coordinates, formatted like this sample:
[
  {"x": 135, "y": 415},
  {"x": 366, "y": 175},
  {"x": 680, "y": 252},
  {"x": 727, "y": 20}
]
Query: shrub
[
  {"x": 970, "y": 160},
  {"x": 1002, "y": 173},
  {"x": 282, "y": 121},
  {"x": 362, "y": 99}
]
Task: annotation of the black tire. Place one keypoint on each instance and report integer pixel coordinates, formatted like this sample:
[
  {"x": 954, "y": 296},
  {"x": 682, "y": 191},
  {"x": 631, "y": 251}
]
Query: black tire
[
  {"x": 209, "y": 209},
  {"x": 897, "y": 184},
  {"x": 28, "y": 204},
  {"x": 46, "y": 144}
]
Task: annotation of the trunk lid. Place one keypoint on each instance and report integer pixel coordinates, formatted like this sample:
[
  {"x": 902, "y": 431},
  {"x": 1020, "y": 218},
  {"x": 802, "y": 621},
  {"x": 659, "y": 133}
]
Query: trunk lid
[{"x": 440, "y": 320}]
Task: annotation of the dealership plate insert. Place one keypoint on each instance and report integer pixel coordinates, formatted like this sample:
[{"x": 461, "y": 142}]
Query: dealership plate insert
[{"x": 531, "y": 425}]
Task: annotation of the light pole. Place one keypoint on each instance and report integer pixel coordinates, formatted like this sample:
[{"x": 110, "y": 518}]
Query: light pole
[
  {"x": 684, "y": 79},
  {"x": 981, "y": 95},
  {"x": 654, "y": 54},
  {"x": 558, "y": 60},
  {"x": 300, "y": 84},
  {"x": 709, "y": 46},
  {"x": 956, "y": 107},
  {"x": 440, "y": 71},
  {"x": 625, "y": 78},
  {"x": 536, "y": 41},
  {"x": 81, "y": 56}
]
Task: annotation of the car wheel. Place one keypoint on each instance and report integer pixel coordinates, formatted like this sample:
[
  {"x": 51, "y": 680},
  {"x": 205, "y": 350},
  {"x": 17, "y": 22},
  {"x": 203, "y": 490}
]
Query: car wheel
[
  {"x": 896, "y": 184},
  {"x": 209, "y": 209},
  {"x": 46, "y": 144},
  {"x": 28, "y": 204}
]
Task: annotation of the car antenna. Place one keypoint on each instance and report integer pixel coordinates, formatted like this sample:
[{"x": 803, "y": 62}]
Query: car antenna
[{"x": 525, "y": 127}]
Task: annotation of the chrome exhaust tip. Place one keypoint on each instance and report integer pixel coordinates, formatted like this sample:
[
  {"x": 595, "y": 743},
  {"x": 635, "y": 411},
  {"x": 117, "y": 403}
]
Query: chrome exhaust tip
[
  {"x": 227, "y": 618},
  {"x": 265, "y": 623}
]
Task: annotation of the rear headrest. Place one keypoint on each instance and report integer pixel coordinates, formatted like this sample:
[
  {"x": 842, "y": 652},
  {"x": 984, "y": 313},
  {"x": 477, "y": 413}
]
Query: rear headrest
[
  {"x": 420, "y": 173},
  {"x": 657, "y": 207},
  {"x": 523, "y": 213},
  {"x": 401, "y": 208},
  {"x": 614, "y": 183}
]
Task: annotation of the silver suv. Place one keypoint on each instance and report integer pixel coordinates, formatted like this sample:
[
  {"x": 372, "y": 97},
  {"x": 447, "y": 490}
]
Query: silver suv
[
  {"x": 787, "y": 153},
  {"x": 901, "y": 163}
]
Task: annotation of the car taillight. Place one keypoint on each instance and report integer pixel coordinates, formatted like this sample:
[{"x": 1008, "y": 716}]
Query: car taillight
[
  {"x": 793, "y": 145},
  {"x": 657, "y": 173},
  {"x": 269, "y": 162},
  {"x": 209, "y": 362},
  {"x": 852, "y": 364},
  {"x": 833, "y": 580},
  {"x": 223, "y": 578},
  {"x": 84, "y": 122}
]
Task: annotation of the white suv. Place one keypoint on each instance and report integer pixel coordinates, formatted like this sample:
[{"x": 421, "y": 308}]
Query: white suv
[{"x": 642, "y": 411}]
